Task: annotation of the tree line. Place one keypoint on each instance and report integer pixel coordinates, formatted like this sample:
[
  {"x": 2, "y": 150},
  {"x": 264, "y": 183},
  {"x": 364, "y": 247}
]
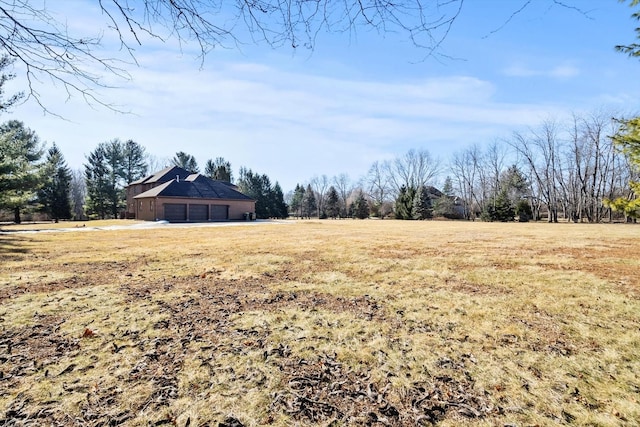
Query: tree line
[
  {"x": 36, "y": 179},
  {"x": 580, "y": 170},
  {"x": 583, "y": 170}
]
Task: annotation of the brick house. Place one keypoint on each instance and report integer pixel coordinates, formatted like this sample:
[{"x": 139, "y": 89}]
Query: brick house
[{"x": 176, "y": 195}]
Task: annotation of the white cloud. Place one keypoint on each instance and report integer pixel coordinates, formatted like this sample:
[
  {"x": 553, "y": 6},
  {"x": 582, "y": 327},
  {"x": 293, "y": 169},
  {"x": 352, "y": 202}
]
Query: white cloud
[
  {"x": 289, "y": 125},
  {"x": 561, "y": 71},
  {"x": 564, "y": 71}
]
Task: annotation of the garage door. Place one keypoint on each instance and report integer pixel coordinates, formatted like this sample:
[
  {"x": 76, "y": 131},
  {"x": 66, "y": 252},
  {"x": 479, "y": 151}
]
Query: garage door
[
  {"x": 198, "y": 212},
  {"x": 174, "y": 212},
  {"x": 219, "y": 212}
]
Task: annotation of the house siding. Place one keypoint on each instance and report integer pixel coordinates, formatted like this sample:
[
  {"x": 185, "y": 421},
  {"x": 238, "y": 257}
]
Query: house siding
[{"x": 152, "y": 209}]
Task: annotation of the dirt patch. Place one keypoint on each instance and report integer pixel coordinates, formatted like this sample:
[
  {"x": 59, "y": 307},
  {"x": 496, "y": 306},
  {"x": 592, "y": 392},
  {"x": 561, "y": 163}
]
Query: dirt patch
[{"x": 325, "y": 391}]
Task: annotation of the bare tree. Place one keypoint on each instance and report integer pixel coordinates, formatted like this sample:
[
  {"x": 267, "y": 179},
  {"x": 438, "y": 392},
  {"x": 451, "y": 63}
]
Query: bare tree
[
  {"x": 344, "y": 186},
  {"x": 155, "y": 163},
  {"x": 477, "y": 175},
  {"x": 494, "y": 164},
  {"x": 78, "y": 194},
  {"x": 414, "y": 169},
  {"x": 540, "y": 152},
  {"x": 376, "y": 184},
  {"x": 463, "y": 170},
  {"x": 47, "y": 48},
  {"x": 320, "y": 185}
]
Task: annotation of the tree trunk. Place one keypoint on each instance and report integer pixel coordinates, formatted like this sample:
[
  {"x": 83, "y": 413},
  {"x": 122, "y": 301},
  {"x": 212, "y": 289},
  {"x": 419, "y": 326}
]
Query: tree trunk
[{"x": 16, "y": 215}]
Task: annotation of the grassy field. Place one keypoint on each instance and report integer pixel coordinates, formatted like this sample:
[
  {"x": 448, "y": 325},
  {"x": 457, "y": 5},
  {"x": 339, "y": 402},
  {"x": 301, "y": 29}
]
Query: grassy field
[{"x": 322, "y": 323}]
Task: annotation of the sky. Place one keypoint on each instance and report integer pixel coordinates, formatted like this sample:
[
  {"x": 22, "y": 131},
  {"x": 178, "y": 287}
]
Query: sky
[{"x": 356, "y": 98}]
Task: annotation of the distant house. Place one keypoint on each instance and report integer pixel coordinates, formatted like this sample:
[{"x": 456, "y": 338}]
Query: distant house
[{"x": 176, "y": 195}]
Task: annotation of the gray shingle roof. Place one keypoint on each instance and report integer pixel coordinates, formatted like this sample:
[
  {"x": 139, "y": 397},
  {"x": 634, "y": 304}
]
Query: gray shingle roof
[
  {"x": 195, "y": 186},
  {"x": 166, "y": 174}
]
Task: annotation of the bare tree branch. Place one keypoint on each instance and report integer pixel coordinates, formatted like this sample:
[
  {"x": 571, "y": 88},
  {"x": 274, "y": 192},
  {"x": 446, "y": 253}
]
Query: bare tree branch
[{"x": 47, "y": 49}]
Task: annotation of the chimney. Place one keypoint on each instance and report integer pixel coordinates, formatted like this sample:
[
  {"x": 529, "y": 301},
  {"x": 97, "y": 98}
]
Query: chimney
[{"x": 177, "y": 178}]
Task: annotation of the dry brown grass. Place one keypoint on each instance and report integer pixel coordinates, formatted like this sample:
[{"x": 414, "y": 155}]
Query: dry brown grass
[{"x": 322, "y": 323}]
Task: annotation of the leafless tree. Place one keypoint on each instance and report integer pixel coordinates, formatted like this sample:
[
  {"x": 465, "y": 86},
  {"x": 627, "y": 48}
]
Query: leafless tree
[
  {"x": 463, "y": 170},
  {"x": 344, "y": 186},
  {"x": 595, "y": 170},
  {"x": 476, "y": 175},
  {"x": 155, "y": 163},
  {"x": 78, "y": 194},
  {"x": 540, "y": 151},
  {"x": 46, "y": 48},
  {"x": 320, "y": 185},
  {"x": 376, "y": 184},
  {"x": 494, "y": 165},
  {"x": 414, "y": 169}
]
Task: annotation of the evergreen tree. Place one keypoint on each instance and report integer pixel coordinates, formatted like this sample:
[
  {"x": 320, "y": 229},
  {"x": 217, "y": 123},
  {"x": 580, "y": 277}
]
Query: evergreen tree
[
  {"x": 523, "y": 210},
  {"x": 253, "y": 185},
  {"x": 628, "y": 141},
  {"x": 447, "y": 188},
  {"x": 333, "y": 203},
  {"x": 421, "y": 208},
  {"x": 269, "y": 199},
  {"x": 218, "y": 169},
  {"x": 54, "y": 195},
  {"x": 279, "y": 207},
  {"x": 500, "y": 208},
  {"x": 404, "y": 203},
  {"x": 5, "y": 104},
  {"x": 105, "y": 179},
  {"x": 96, "y": 174},
  {"x": 360, "y": 209},
  {"x": 444, "y": 206},
  {"x": 515, "y": 183},
  {"x": 20, "y": 150},
  {"x": 297, "y": 200},
  {"x": 309, "y": 202},
  {"x": 134, "y": 160},
  {"x": 185, "y": 161}
]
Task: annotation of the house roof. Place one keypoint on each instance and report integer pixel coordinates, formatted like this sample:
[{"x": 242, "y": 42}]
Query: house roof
[
  {"x": 433, "y": 191},
  {"x": 166, "y": 174},
  {"x": 195, "y": 186}
]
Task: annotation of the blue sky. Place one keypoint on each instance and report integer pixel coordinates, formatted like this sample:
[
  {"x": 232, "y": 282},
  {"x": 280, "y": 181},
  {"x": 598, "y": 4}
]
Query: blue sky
[{"x": 357, "y": 98}]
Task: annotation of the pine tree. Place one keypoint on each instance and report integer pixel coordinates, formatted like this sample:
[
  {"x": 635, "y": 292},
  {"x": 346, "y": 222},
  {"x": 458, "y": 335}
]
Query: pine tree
[
  {"x": 280, "y": 208},
  {"x": 297, "y": 200},
  {"x": 360, "y": 207},
  {"x": 447, "y": 188},
  {"x": 256, "y": 186},
  {"x": 134, "y": 161},
  {"x": 20, "y": 150},
  {"x": 444, "y": 206},
  {"x": 218, "y": 169},
  {"x": 185, "y": 161},
  {"x": 96, "y": 176},
  {"x": 628, "y": 140},
  {"x": 105, "y": 178},
  {"x": 404, "y": 203},
  {"x": 55, "y": 192},
  {"x": 523, "y": 210},
  {"x": 309, "y": 202},
  {"x": 269, "y": 199},
  {"x": 421, "y": 208},
  {"x": 333, "y": 203},
  {"x": 500, "y": 208}
]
